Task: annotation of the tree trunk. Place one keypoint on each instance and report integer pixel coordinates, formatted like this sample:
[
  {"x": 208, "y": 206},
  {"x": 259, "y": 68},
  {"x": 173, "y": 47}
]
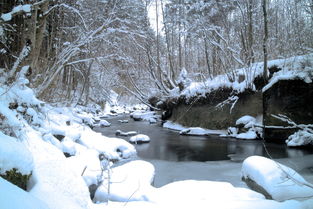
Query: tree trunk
[{"x": 264, "y": 5}]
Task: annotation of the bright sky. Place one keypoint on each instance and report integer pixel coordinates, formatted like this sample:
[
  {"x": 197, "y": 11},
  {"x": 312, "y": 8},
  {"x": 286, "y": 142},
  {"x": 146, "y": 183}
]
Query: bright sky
[{"x": 152, "y": 14}]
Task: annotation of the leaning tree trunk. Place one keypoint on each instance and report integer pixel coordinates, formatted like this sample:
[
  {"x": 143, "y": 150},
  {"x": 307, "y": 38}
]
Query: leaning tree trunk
[{"x": 265, "y": 40}]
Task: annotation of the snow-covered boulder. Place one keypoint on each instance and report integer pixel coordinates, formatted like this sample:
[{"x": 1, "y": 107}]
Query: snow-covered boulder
[
  {"x": 104, "y": 123},
  {"x": 300, "y": 138},
  {"x": 123, "y": 121},
  {"x": 197, "y": 131},
  {"x": 122, "y": 133},
  {"x": 246, "y": 121},
  {"x": 129, "y": 182},
  {"x": 152, "y": 120},
  {"x": 247, "y": 127},
  {"x": 14, "y": 154},
  {"x": 250, "y": 134},
  {"x": 113, "y": 148},
  {"x": 139, "y": 138},
  {"x": 141, "y": 115},
  {"x": 275, "y": 180}
]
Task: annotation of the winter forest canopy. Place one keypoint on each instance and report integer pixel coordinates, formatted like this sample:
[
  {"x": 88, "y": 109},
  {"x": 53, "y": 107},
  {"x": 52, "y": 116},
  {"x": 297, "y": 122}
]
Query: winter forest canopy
[
  {"x": 156, "y": 104},
  {"x": 78, "y": 50}
]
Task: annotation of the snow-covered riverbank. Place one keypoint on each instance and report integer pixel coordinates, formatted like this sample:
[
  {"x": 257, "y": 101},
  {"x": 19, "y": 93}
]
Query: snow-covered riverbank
[{"x": 69, "y": 162}]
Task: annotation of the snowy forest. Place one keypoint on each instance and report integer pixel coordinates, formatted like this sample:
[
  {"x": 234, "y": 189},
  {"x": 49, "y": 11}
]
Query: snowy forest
[{"x": 156, "y": 104}]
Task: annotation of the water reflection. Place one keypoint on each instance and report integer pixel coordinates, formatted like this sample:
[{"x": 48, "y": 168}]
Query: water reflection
[{"x": 169, "y": 145}]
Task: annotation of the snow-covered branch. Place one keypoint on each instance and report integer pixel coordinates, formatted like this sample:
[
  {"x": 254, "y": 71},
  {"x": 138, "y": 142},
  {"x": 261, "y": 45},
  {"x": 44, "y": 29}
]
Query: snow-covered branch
[
  {"x": 74, "y": 10},
  {"x": 26, "y": 8}
]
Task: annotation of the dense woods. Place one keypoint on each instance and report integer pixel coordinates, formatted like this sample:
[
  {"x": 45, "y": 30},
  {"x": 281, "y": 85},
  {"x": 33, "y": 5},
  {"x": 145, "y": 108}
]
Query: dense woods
[{"x": 78, "y": 50}]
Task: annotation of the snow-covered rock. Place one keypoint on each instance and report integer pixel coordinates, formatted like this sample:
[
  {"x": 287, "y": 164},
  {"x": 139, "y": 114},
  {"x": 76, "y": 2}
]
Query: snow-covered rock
[
  {"x": 129, "y": 182},
  {"x": 152, "y": 120},
  {"x": 122, "y": 133},
  {"x": 142, "y": 115},
  {"x": 113, "y": 148},
  {"x": 173, "y": 126},
  {"x": 251, "y": 134},
  {"x": 139, "y": 138},
  {"x": 14, "y": 154},
  {"x": 104, "y": 123},
  {"x": 247, "y": 121},
  {"x": 197, "y": 131},
  {"x": 52, "y": 180},
  {"x": 247, "y": 127},
  {"x": 123, "y": 121},
  {"x": 300, "y": 138},
  {"x": 280, "y": 182}
]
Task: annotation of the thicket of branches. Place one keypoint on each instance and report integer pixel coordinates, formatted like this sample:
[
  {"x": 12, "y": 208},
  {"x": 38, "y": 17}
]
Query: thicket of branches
[{"x": 78, "y": 50}]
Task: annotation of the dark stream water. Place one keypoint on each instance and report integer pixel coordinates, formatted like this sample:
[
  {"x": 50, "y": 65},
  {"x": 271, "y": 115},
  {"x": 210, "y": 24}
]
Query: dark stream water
[{"x": 170, "y": 146}]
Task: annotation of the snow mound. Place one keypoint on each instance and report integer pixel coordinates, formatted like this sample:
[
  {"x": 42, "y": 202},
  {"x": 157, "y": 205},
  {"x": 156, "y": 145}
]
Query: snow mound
[
  {"x": 173, "y": 126},
  {"x": 53, "y": 181},
  {"x": 279, "y": 181},
  {"x": 139, "y": 138},
  {"x": 247, "y": 127},
  {"x": 298, "y": 67},
  {"x": 129, "y": 182},
  {"x": 222, "y": 195},
  {"x": 14, "y": 154},
  {"x": 247, "y": 135},
  {"x": 104, "y": 123},
  {"x": 142, "y": 115},
  {"x": 197, "y": 131},
  {"x": 113, "y": 148},
  {"x": 12, "y": 197},
  {"x": 246, "y": 120},
  {"x": 122, "y": 133},
  {"x": 300, "y": 138}
]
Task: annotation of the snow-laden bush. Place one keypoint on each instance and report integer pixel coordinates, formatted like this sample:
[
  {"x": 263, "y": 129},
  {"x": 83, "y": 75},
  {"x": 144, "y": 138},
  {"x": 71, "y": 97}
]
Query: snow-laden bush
[
  {"x": 19, "y": 106},
  {"x": 18, "y": 109}
]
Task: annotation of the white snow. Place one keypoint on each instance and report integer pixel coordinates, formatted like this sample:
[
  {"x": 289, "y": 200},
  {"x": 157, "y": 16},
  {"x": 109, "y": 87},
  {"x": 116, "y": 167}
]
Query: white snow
[
  {"x": 139, "y": 138},
  {"x": 299, "y": 67},
  {"x": 113, "y": 148},
  {"x": 300, "y": 138},
  {"x": 247, "y": 135},
  {"x": 204, "y": 194},
  {"x": 197, "y": 131},
  {"x": 173, "y": 126},
  {"x": 246, "y": 120},
  {"x": 129, "y": 182},
  {"x": 281, "y": 182},
  {"x": 122, "y": 133},
  {"x": 104, "y": 123},
  {"x": 123, "y": 121},
  {"x": 20, "y": 8},
  {"x": 14, "y": 154},
  {"x": 143, "y": 115},
  {"x": 12, "y": 197},
  {"x": 251, "y": 124},
  {"x": 292, "y": 68}
]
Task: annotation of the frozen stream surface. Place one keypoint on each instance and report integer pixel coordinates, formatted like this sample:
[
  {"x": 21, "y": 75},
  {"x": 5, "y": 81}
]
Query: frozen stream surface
[{"x": 177, "y": 157}]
